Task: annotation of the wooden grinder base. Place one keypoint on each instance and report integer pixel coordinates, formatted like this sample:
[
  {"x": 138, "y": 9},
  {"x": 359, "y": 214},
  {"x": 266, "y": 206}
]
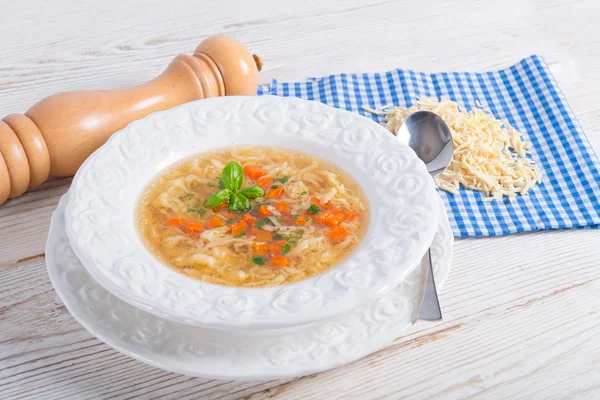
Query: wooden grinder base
[{"x": 58, "y": 133}]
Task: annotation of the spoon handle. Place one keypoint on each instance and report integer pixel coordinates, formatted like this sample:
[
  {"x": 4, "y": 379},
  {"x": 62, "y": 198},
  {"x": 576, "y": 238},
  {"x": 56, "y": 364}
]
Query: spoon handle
[{"x": 430, "y": 307}]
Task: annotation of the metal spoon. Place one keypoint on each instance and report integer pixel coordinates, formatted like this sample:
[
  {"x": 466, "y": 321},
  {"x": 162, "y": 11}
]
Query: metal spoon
[{"x": 429, "y": 136}]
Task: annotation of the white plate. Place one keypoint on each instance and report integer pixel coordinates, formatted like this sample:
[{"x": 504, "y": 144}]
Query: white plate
[
  {"x": 100, "y": 218},
  {"x": 243, "y": 355}
]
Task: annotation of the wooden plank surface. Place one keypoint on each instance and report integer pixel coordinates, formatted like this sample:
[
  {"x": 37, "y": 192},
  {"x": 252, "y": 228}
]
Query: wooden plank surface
[{"x": 521, "y": 312}]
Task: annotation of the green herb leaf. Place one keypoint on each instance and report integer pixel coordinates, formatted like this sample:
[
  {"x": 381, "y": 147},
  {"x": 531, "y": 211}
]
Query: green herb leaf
[
  {"x": 267, "y": 203},
  {"x": 200, "y": 211},
  {"x": 239, "y": 203},
  {"x": 291, "y": 238},
  {"x": 303, "y": 193},
  {"x": 211, "y": 185},
  {"x": 230, "y": 220},
  {"x": 274, "y": 186},
  {"x": 259, "y": 260},
  {"x": 313, "y": 209},
  {"x": 216, "y": 199},
  {"x": 239, "y": 235},
  {"x": 233, "y": 176},
  {"x": 286, "y": 248},
  {"x": 262, "y": 222},
  {"x": 282, "y": 180},
  {"x": 253, "y": 192},
  {"x": 187, "y": 196}
]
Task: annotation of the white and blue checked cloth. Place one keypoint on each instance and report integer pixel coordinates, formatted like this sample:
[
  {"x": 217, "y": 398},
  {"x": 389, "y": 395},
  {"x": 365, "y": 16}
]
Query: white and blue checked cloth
[{"x": 528, "y": 97}]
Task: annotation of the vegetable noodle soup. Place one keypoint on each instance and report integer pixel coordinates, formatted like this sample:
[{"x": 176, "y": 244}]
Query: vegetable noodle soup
[{"x": 252, "y": 216}]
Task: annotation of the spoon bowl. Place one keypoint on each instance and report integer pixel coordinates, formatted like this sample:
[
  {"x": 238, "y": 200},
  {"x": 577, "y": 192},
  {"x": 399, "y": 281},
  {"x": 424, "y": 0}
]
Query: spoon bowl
[{"x": 429, "y": 136}]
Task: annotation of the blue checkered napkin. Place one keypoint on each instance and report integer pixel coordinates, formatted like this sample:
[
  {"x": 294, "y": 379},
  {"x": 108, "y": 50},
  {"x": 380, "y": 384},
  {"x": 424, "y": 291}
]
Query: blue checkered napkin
[{"x": 528, "y": 97}]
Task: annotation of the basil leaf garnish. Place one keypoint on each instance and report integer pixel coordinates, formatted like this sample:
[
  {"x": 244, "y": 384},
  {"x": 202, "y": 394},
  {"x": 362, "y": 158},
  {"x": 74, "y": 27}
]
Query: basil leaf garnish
[
  {"x": 253, "y": 192},
  {"x": 239, "y": 203},
  {"x": 216, "y": 199},
  {"x": 233, "y": 176}
]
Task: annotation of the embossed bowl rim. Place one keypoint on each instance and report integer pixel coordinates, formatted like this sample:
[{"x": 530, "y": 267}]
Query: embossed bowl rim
[{"x": 101, "y": 226}]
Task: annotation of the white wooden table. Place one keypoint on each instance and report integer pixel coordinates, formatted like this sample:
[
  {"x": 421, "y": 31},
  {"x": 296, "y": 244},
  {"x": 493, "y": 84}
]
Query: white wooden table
[{"x": 522, "y": 313}]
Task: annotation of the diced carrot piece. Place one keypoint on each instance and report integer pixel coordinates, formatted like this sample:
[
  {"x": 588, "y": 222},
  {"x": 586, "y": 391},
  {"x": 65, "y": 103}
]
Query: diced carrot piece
[
  {"x": 215, "y": 222},
  {"x": 220, "y": 207},
  {"x": 283, "y": 207},
  {"x": 263, "y": 236},
  {"x": 254, "y": 172},
  {"x": 263, "y": 211},
  {"x": 280, "y": 261},
  {"x": 260, "y": 248},
  {"x": 175, "y": 221},
  {"x": 276, "y": 248},
  {"x": 300, "y": 220},
  {"x": 332, "y": 218},
  {"x": 321, "y": 217},
  {"x": 249, "y": 219},
  {"x": 338, "y": 234},
  {"x": 317, "y": 202},
  {"x": 265, "y": 183},
  {"x": 194, "y": 227},
  {"x": 238, "y": 227},
  {"x": 274, "y": 193},
  {"x": 350, "y": 215}
]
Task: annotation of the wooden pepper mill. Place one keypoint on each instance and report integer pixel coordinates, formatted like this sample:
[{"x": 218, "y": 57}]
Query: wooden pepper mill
[{"x": 58, "y": 133}]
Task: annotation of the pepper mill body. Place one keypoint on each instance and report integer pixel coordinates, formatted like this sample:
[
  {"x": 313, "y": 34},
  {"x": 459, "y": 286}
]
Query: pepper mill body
[{"x": 57, "y": 134}]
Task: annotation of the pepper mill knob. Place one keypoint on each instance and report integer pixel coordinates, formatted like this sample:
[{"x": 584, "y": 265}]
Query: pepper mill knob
[{"x": 58, "y": 133}]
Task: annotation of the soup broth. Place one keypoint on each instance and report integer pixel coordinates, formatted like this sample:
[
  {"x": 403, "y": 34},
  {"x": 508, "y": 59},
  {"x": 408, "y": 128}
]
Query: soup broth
[{"x": 252, "y": 216}]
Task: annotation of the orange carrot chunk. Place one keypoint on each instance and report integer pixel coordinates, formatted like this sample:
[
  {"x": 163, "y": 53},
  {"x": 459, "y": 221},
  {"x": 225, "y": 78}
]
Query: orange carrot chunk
[
  {"x": 220, "y": 207},
  {"x": 265, "y": 183},
  {"x": 350, "y": 215},
  {"x": 263, "y": 211},
  {"x": 283, "y": 207},
  {"x": 337, "y": 234},
  {"x": 263, "y": 236},
  {"x": 254, "y": 172},
  {"x": 275, "y": 192},
  {"x": 260, "y": 248},
  {"x": 280, "y": 261},
  {"x": 175, "y": 221},
  {"x": 249, "y": 219},
  {"x": 194, "y": 227},
  {"x": 215, "y": 222},
  {"x": 276, "y": 248},
  {"x": 300, "y": 221},
  {"x": 332, "y": 218},
  {"x": 238, "y": 227}
]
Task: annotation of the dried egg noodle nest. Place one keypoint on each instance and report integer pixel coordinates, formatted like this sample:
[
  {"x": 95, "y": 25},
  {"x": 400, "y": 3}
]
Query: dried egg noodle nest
[{"x": 489, "y": 155}]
